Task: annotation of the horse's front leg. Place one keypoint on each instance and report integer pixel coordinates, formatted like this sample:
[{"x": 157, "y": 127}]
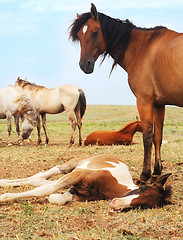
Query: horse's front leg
[
  {"x": 146, "y": 116},
  {"x": 159, "y": 113},
  {"x": 43, "y": 115},
  {"x": 38, "y": 129},
  {"x": 9, "y": 129},
  {"x": 16, "y": 117}
]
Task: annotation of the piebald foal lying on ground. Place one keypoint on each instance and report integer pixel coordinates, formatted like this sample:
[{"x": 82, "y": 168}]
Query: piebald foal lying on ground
[{"x": 92, "y": 178}]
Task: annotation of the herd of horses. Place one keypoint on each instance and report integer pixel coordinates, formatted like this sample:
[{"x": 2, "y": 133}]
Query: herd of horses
[{"x": 153, "y": 60}]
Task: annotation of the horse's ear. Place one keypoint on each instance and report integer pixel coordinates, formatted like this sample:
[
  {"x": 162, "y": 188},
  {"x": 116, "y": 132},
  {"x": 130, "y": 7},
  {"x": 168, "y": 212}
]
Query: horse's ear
[
  {"x": 78, "y": 16},
  {"x": 94, "y": 13},
  {"x": 137, "y": 118},
  {"x": 162, "y": 179},
  {"x": 18, "y": 78}
]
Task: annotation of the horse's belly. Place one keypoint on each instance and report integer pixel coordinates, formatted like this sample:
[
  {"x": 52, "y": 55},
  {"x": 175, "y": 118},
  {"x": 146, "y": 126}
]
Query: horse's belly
[
  {"x": 169, "y": 96},
  {"x": 2, "y": 116},
  {"x": 52, "y": 109}
]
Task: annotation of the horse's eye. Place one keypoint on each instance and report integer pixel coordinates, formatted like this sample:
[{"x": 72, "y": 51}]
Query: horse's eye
[{"x": 95, "y": 34}]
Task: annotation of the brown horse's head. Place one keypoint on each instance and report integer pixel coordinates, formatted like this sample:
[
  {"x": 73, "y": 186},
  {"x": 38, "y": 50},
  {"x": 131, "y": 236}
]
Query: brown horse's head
[{"x": 87, "y": 29}]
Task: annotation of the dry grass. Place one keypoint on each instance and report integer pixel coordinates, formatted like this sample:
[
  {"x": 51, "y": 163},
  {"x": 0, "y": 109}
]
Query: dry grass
[{"x": 38, "y": 219}]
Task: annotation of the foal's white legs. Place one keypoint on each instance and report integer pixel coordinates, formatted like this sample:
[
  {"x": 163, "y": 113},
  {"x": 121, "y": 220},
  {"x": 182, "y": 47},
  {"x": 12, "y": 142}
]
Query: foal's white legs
[
  {"x": 60, "y": 199},
  {"x": 40, "y": 179},
  {"x": 45, "y": 190}
]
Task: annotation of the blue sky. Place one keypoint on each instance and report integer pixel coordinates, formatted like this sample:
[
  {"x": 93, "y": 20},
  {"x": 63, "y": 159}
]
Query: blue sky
[{"x": 34, "y": 43}]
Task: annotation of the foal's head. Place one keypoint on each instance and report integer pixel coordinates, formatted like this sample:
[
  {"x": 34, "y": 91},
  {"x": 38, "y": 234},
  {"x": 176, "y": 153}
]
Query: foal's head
[
  {"x": 87, "y": 29},
  {"x": 145, "y": 196}
]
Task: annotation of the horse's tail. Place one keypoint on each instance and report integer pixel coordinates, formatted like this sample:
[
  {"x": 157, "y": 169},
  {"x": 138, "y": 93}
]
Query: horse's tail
[{"x": 81, "y": 104}]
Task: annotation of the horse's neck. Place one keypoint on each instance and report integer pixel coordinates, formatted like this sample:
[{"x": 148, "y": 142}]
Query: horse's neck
[
  {"x": 130, "y": 129},
  {"x": 137, "y": 40}
]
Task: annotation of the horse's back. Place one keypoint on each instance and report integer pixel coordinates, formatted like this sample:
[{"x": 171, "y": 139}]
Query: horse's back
[
  {"x": 9, "y": 97},
  {"x": 9, "y": 93}
]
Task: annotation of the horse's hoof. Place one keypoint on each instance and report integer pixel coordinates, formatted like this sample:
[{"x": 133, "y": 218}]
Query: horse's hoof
[
  {"x": 21, "y": 144},
  {"x": 70, "y": 145},
  {"x": 10, "y": 144},
  {"x": 153, "y": 178},
  {"x": 144, "y": 177},
  {"x": 140, "y": 182}
]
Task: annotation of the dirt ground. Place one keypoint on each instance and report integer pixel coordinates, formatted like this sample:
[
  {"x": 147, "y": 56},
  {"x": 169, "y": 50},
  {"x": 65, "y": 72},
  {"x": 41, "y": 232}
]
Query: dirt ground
[{"x": 38, "y": 219}]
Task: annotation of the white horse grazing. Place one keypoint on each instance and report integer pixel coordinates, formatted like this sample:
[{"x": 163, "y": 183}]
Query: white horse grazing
[
  {"x": 92, "y": 178},
  {"x": 67, "y": 98},
  {"x": 13, "y": 102}
]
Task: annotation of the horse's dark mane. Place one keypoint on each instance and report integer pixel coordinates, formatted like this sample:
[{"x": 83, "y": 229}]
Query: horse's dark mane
[
  {"x": 23, "y": 83},
  {"x": 115, "y": 31}
]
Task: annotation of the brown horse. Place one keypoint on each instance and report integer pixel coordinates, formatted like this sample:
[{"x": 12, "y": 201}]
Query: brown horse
[
  {"x": 153, "y": 59},
  {"x": 123, "y": 136}
]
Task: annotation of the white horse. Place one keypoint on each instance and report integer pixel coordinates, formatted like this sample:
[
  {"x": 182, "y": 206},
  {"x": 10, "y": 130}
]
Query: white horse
[
  {"x": 67, "y": 98},
  {"x": 13, "y": 102}
]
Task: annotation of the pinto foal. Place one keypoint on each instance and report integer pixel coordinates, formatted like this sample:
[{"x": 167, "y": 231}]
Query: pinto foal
[
  {"x": 92, "y": 178},
  {"x": 123, "y": 136}
]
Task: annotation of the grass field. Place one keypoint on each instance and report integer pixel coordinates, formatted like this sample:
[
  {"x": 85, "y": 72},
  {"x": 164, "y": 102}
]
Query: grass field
[{"x": 38, "y": 219}]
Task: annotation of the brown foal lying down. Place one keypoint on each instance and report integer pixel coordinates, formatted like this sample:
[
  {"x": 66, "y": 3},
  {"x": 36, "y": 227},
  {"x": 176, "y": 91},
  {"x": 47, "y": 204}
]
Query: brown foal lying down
[{"x": 123, "y": 136}]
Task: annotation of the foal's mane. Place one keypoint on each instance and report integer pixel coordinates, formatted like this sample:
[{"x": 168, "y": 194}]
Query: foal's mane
[
  {"x": 115, "y": 31},
  {"x": 127, "y": 125}
]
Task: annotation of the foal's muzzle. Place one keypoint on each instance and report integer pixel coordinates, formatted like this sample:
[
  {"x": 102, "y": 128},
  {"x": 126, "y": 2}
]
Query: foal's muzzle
[{"x": 87, "y": 65}]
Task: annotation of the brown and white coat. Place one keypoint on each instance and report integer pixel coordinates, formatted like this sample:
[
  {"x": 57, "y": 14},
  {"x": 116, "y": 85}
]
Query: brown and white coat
[{"x": 92, "y": 178}]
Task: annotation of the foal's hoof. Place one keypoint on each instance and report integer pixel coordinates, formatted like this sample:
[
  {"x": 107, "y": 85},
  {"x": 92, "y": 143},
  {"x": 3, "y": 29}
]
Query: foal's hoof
[{"x": 10, "y": 144}]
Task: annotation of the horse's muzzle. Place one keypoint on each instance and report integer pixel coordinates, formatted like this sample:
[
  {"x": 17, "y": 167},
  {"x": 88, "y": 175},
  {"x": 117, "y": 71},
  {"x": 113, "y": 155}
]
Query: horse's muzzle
[
  {"x": 25, "y": 135},
  {"x": 87, "y": 66}
]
